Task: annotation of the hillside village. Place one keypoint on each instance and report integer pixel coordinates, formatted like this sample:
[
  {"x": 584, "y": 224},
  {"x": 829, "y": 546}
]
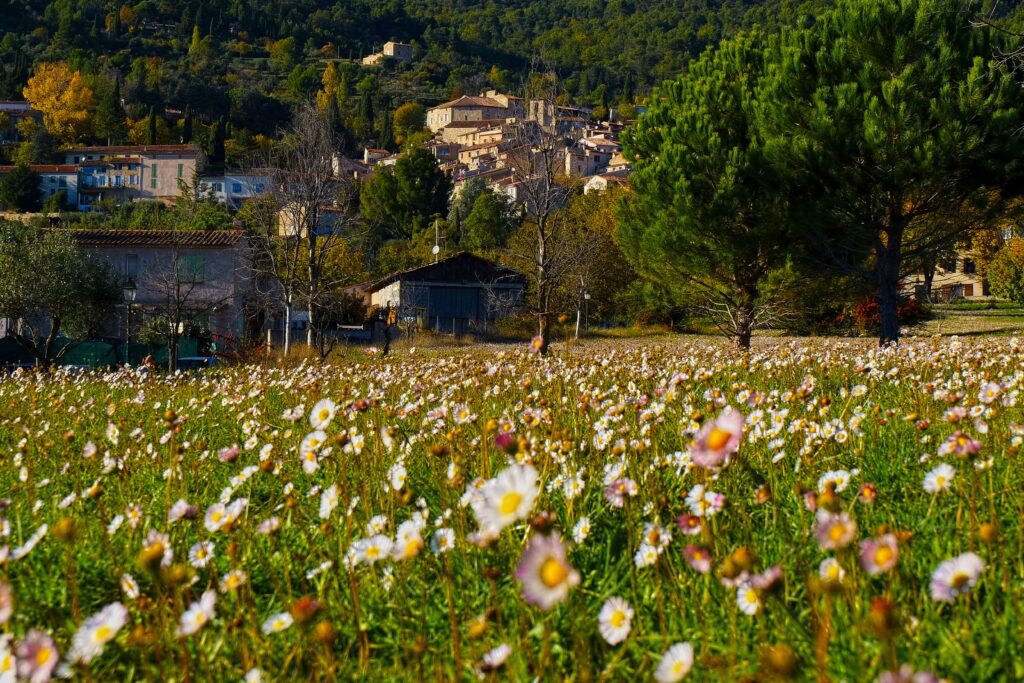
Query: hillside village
[{"x": 471, "y": 138}]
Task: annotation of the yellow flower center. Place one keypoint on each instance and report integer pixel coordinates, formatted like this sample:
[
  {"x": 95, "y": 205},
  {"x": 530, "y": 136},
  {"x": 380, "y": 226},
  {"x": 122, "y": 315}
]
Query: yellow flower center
[
  {"x": 959, "y": 580},
  {"x": 940, "y": 481},
  {"x": 837, "y": 532},
  {"x": 43, "y": 656},
  {"x": 618, "y": 618},
  {"x": 510, "y": 502},
  {"x": 718, "y": 438},
  {"x": 216, "y": 516},
  {"x": 833, "y": 572},
  {"x": 677, "y": 668},
  {"x": 373, "y": 552},
  {"x": 103, "y": 634},
  {"x": 883, "y": 555},
  {"x": 751, "y": 596},
  {"x": 553, "y": 573}
]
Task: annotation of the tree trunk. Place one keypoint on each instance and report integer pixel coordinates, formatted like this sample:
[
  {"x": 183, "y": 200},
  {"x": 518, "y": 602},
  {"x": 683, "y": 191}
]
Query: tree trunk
[
  {"x": 310, "y": 312},
  {"x": 744, "y": 329},
  {"x": 172, "y": 350},
  {"x": 543, "y": 295},
  {"x": 544, "y": 332},
  {"x": 887, "y": 267},
  {"x": 287, "y": 326},
  {"x": 928, "y": 271},
  {"x": 47, "y": 356}
]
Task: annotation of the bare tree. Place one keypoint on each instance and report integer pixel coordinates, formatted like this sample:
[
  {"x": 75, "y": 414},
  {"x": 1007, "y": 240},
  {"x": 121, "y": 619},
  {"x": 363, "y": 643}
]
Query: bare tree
[
  {"x": 308, "y": 213},
  {"x": 184, "y": 290},
  {"x": 536, "y": 158}
]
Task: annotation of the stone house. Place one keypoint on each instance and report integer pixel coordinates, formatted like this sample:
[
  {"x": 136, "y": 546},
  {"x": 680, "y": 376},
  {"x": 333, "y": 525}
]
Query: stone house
[
  {"x": 234, "y": 189},
  {"x": 400, "y": 52},
  {"x": 131, "y": 172},
  {"x": 490, "y": 107},
  {"x": 206, "y": 273}
]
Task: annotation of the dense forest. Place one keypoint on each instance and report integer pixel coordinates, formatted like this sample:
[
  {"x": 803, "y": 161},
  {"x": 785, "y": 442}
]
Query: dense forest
[{"x": 250, "y": 62}]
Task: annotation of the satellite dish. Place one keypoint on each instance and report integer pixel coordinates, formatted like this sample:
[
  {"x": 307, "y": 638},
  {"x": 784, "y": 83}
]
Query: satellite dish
[{"x": 436, "y": 250}]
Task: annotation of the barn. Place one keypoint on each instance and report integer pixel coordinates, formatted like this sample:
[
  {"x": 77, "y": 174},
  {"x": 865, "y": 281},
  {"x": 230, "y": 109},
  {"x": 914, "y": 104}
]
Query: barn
[{"x": 458, "y": 294}]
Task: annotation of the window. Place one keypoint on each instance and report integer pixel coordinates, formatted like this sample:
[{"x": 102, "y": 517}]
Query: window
[
  {"x": 131, "y": 266},
  {"x": 217, "y": 187},
  {"x": 62, "y": 182},
  {"x": 258, "y": 187},
  {"x": 969, "y": 267},
  {"x": 133, "y": 180},
  {"x": 153, "y": 168},
  {"x": 191, "y": 267},
  {"x": 152, "y": 182},
  {"x": 236, "y": 187},
  {"x": 180, "y": 169}
]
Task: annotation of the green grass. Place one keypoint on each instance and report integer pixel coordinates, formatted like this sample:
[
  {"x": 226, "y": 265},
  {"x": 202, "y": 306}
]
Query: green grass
[{"x": 649, "y": 397}]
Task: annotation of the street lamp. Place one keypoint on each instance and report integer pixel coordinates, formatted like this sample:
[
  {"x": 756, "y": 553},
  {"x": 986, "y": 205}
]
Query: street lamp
[{"x": 128, "y": 293}]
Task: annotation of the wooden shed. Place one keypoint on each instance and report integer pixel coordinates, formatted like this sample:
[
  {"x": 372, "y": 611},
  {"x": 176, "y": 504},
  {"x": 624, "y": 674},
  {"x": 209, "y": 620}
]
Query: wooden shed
[{"x": 455, "y": 294}]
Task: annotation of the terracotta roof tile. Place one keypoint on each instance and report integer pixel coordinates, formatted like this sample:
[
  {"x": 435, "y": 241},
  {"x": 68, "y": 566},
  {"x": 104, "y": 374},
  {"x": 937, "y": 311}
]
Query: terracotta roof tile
[
  {"x": 157, "y": 238},
  {"x": 134, "y": 149},
  {"x": 44, "y": 168}
]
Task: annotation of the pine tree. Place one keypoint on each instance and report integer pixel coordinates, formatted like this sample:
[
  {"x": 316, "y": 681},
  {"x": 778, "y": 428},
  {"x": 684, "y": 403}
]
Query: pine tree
[
  {"x": 893, "y": 112},
  {"x": 708, "y": 215}
]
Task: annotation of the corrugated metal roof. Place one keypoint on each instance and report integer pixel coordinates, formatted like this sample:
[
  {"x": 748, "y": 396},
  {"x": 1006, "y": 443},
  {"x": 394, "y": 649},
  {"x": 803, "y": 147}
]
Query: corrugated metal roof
[
  {"x": 462, "y": 267},
  {"x": 193, "y": 239}
]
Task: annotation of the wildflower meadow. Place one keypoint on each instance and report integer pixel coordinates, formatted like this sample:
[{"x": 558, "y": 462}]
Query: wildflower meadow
[{"x": 810, "y": 510}]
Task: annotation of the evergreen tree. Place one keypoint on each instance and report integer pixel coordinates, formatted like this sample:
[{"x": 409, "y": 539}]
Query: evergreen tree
[
  {"x": 889, "y": 113},
  {"x": 186, "y": 126},
  {"x": 220, "y": 135},
  {"x": 110, "y": 117},
  {"x": 386, "y": 137},
  {"x": 487, "y": 225},
  {"x": 707, "y": 214},
  {"x": 151, "y": 137},
  {"x": 400, "y": 203},
  {"x": 19, "y": 190}
]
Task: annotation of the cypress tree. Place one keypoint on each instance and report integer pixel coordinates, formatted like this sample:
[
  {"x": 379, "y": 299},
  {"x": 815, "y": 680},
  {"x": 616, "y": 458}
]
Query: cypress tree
[
  {"x": 186, "y": 126},
  {"x": 152, "y": 126}
]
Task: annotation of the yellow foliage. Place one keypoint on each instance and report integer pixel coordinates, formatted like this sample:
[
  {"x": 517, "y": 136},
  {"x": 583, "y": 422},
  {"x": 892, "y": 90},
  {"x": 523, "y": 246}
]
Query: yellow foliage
[
  {"x": 64, "y": 99},
  {"x": 138, "y": 131}
]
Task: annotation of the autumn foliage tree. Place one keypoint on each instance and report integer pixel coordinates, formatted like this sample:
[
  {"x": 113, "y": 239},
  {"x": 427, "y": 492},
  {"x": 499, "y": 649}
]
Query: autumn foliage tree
[{"x": 66, "y": 102}]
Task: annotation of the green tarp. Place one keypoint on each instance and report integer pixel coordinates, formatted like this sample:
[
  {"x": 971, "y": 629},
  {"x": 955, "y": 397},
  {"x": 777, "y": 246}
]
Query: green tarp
[{"x": 98, "y": 353}]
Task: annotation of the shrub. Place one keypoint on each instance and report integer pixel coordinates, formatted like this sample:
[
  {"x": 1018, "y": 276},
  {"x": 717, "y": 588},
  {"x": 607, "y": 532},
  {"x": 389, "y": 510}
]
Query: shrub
[{"x": 1006, "y": 272}]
